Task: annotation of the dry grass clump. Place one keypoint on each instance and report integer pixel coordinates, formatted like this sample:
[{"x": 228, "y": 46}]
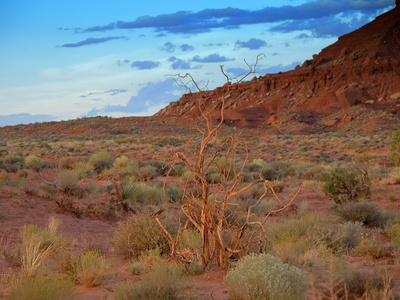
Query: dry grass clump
[
  {"x": 43, "y": 288},
  {"x": 33, "y": 162},
  {"x": 165, "y": 283},
  {"x": 137, "y": 234},
  {"x": 364, "y": 212},
  {"x": 87, "y": 269}
]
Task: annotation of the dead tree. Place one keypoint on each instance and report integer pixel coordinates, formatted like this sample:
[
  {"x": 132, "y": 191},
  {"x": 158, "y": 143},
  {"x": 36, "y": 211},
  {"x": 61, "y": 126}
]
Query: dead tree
[{"x": 208, "y": 204}]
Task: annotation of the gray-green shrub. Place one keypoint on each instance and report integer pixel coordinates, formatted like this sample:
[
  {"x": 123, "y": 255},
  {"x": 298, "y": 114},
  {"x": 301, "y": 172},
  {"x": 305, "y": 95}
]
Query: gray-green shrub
[
  {"x": 364, "y": 212},
  {"x": 165, "y": 283},
  {"x": 266, "y": 277},
  {"x": 43, "y": 288}
]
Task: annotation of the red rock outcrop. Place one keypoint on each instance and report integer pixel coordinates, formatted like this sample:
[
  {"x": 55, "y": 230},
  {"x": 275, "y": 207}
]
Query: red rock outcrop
[{"x": 361, "y": 68}]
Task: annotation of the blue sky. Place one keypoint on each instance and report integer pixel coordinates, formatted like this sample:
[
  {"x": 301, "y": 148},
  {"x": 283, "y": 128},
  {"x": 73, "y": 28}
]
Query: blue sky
[{"x": 62, "y": 60}]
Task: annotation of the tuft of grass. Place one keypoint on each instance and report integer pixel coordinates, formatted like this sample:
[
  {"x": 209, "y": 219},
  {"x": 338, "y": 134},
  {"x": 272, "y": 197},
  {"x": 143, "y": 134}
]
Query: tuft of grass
[
  {"x": 137, "y": 234},
  {"x": 165, "y": 283},
  {"x": 43, "y": 288},
  {"x": 90, "y": 268}
]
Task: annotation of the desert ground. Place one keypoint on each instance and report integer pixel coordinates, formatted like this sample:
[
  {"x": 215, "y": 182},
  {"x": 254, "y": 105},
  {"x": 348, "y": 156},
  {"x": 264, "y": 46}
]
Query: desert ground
[{"x": 70, "y": 193}]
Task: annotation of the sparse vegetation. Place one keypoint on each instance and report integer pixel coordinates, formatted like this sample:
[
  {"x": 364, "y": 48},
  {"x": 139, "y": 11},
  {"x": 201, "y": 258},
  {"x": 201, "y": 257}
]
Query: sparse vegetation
[
  {"x": 137, "y": 234},
  {"x": 345, "y": 185},
  {"x": 76, "y": 176},
  {"x": 266, "y": 277}
]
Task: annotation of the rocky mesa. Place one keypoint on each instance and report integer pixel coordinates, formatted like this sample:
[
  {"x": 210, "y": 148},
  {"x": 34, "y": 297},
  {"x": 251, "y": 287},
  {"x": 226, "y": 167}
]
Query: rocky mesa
[{"x": 362, "y": 69}]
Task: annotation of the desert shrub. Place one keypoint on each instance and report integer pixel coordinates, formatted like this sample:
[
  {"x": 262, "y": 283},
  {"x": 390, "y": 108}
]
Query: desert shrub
[
  {"x": 278, "y": 170},
  {"x": 394, "y": 175},
  {"x": 294, "y": 228},
  {"x": 121, "y": 162},
  {"x": 395, "y": 147},
  {"x": 137, "y": 234},
  {"x": 293, "y": 239},
  {"x": 101, "y": 161},
  {"x": 67, "y": 180},
  {"x": 393, "y": 232},
  {"x": 265, "y": 277},
  {"x": 83, "y": 169},
  {"x": 36, "y": 243},
  {"x": 269, "y": 173},
  {"x": 174, "y": 194},
  {"x": 311, "y": 185},
  {"x": 361, "y": 283},
  {"x": 346, "y": 186},
  {"x": 45, "y": 236},
  {"x": 364, "y": 212},
  {"x": 89, "y": 268},
  {"x": 165, "y": 283},
  {"x": 146, "y": 173},
  {"x": 33, "y": 162},
  {"x": 370, "y": 247},
  {"x": 137, "y": 267},
  {"x": 68, "y": 163},
  {"x": 13, "y": 162},
  {"x": 152, "y": 194},
  {"x": 68, "y": 184},
  {"x": 313, "y": 172},
  {"x": 43, "y": 288}
]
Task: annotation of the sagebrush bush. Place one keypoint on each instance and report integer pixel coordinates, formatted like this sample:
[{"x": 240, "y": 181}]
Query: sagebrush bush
[
  {"x": 346, "y": 185},
  {"x": 33, "y": 162},
  {"x": 360, "y": 283},
  {"x": 395, "y": 147},
  {"x": 121, "y": 162},
  {"x": 43, "y": 288},
  {"x": 265, "y": 277},
  {"x": 137, "y": 234},
  {"x": 165, "y": 283},
  {"x": 393, "y": 232},
  {"x": 364, "y": 212},
  {"x": 67, "y": 180},
  {"x": 101, "y": 161}
]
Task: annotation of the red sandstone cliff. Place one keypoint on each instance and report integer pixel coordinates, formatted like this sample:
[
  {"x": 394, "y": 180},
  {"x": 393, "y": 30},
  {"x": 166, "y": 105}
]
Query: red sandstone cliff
[{"x": 361, "y": 69}]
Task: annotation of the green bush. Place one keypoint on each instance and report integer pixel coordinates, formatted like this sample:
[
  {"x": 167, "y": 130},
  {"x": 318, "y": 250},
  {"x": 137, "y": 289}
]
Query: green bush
[
  {"x": 137, "y": 234},
  {"x": 395, "y": 147},
  {"x": 265, "y": 277},
  {"x": 346, "y": 186},
  {"x": 165, "y": 283},
  {"x": 101, "y": 161},
  {"x": 90, "y": 268},
  {"x": 43, "y": 288},
  {"x": 33, "y": 162},
  {"x": 13, "y": 162},
  {"x": 393, "y": 233},
  {"x": 364, "y": 212},
  {"x": 68, "y": 184}
]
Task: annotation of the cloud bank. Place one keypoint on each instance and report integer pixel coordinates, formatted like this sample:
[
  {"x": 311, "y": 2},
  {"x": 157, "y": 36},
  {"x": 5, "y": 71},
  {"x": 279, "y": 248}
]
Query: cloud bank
[
  {"x": 92, "y": 41},
  {"x": 150, "y": 99},
  {"x": 188, "y": 22}
]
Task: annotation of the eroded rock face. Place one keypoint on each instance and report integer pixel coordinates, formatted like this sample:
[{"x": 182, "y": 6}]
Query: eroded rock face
[
  {"x": 361, "y": 68},
  {"x": 349, "y": 95}
]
